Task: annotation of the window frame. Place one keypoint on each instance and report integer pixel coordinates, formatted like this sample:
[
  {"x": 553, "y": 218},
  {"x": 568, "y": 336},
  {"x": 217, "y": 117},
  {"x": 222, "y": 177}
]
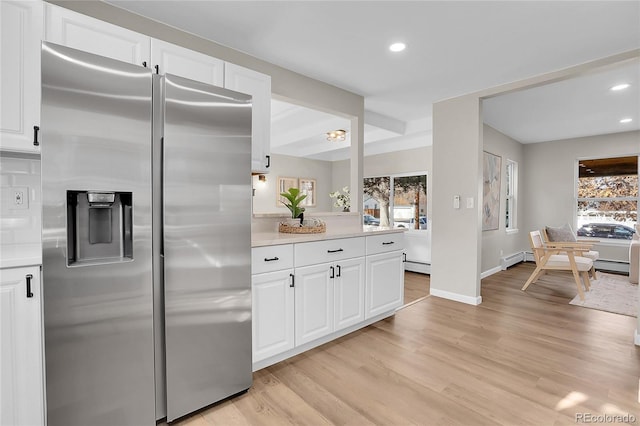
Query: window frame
[
  {"x": 511, "y": 197},
  {"x": 391, "y": 177},
  {"x": 577, "y": 200}
]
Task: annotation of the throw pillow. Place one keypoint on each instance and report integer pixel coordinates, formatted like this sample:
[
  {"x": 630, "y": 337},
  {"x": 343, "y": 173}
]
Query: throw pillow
[{"x": 563, "y": 233}]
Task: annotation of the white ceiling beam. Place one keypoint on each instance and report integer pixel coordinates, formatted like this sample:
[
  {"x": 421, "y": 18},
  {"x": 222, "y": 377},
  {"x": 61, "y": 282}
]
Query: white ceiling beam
[{"x": 384, "y": 122}]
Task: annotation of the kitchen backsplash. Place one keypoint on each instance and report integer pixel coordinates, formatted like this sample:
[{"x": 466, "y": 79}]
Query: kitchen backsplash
[{"x": 20, "y": 199}]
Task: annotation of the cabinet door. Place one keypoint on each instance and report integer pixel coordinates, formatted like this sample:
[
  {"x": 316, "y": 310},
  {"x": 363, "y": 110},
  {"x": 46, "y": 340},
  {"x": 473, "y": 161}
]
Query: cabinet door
[
  {"x": 20, "y": 32},
  {"x": 385, "y": 283},
  {"x": 21, "y": 379},
  {"x": 257, "y": 85},
  {"x": 187, "y": 63},
  {"x": 314, "y": 302},
  {"x": 349, "y": 292},
  {"x": 72, "y": 29},
  {"x": 272, "y": 309}
]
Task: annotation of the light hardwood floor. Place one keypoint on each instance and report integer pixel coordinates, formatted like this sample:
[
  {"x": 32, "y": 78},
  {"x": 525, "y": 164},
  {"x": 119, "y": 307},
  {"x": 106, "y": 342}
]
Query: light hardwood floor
[
  {"x": 520, "y": 358},
  {"x": 416, "y": 286}
]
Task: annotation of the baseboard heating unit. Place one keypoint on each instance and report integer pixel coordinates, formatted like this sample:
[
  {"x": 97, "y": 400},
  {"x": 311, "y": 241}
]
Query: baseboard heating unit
[{"x": 511, "y": 260}]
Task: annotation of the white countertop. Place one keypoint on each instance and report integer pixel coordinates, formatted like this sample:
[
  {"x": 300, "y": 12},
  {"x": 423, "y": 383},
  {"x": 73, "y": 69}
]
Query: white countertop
[
  {"x": 17, "y": 255},
  {"x": 261, "y": 239}
]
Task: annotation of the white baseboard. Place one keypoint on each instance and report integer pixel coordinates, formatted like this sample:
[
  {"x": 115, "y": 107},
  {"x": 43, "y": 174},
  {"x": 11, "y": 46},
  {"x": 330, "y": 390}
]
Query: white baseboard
[
  {"x": 491, "y": 271},
  {"x": 421, "y": 268},
  {"x": 636, "y": 339},
  {"x": 469, "y": 300}
]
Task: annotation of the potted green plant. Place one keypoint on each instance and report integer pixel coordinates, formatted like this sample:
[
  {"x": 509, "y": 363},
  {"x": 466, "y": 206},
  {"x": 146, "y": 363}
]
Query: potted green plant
[{"x": 294, "y": 198}]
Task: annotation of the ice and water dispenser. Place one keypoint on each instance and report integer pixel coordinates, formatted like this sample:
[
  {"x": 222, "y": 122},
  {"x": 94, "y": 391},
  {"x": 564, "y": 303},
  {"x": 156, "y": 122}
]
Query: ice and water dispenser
[{"x": 99, "y": 227}]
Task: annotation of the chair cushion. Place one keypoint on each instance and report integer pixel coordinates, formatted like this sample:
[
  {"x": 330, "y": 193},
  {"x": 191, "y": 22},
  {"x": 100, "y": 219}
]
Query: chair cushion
[
  {"x": 562, "y": 260},
  {"x": 563, "y": 233},
  {"x": 591, "y": 254}
]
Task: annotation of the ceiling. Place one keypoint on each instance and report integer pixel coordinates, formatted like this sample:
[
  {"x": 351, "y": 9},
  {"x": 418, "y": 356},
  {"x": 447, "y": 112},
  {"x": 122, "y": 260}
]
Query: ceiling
[{"x": 453, "y": 48}]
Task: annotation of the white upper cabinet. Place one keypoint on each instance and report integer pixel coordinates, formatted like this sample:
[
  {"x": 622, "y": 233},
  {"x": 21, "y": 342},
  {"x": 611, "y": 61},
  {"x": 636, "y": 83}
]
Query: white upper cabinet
[
  {"x": 186, "y": 63},
  {"x": 20, "y": 32},
  {"x": 72, "y": 29},
  {"x": 257, "y": 85}
]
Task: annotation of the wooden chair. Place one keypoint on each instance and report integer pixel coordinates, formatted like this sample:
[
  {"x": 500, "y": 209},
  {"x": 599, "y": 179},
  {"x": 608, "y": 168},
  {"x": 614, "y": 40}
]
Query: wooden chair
[
  {"x": 559, "y": 258},
  {"x": 581, "y": 248}
]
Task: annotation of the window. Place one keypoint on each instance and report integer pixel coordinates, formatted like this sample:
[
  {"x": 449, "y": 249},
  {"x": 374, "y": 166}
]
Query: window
[
  {"x": 511, "y": 217},
  {"x": 399, "y": 201},
  {"x": 607, "y": 197}
]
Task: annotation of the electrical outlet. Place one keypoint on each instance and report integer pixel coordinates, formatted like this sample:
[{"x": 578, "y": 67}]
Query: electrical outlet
[{"x": 20, "y": 197}]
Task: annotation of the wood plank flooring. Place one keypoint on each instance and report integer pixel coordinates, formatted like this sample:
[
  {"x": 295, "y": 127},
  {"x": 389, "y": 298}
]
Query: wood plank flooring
[
  {"x": 520, "y": 358},
  {"x": 416, "y": 286}
]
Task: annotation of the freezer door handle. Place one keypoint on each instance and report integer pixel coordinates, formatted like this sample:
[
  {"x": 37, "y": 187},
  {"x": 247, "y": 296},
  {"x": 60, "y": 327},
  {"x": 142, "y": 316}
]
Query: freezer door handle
[{"x": 29, "y": 277}]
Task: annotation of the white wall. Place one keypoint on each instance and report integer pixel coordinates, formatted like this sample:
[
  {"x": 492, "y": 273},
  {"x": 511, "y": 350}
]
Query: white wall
[
  {"x": 549, "y": 178},
  {"x": 496, "y": 243}
]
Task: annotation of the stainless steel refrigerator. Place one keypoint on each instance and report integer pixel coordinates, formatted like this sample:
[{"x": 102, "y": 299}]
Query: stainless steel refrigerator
[{"x": 146, "y": 241}]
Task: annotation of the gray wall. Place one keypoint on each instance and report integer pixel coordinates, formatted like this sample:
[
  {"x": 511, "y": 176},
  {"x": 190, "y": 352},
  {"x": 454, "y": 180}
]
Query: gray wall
[
  {"x": 496, "y": 243},
  {"x": 548, "y": 183},
  {"x": 264, "y": 200},
  {"x": 457, "y": 170}
]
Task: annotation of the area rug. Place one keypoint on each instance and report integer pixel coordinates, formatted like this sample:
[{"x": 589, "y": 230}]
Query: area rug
[{"x": 611, "y": 293}]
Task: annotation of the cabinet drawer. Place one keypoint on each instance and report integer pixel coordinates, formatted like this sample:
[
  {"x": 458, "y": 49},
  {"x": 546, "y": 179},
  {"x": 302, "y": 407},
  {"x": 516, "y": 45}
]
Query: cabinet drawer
[
  {"x": 385, "y": 243},
  {"x": 328, "y": 250},
  {"x": 271, "y": 258}
]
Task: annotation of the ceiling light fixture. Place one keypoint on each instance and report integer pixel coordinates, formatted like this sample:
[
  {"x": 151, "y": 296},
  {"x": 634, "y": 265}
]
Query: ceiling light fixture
[
  {"x": 337, "y": 135},
  {"x": 397, "y": 47},
  {"x": 619, "y": 87},
  {"x": 626, "y": 120}
]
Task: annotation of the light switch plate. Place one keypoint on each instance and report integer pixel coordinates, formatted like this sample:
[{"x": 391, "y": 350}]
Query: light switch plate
[{"x": 469, "y": 202}]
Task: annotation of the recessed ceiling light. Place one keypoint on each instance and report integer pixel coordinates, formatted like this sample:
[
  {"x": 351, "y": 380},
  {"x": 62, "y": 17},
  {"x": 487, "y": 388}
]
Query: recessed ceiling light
[
  {"x": 626, "y": 120},
  {"x": 397, "y": 47},
  {"x": 618, "y": 87}
]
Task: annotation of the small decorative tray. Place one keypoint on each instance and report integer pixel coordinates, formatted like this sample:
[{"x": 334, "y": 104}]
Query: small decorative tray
[{"x": 308, "y": 226}]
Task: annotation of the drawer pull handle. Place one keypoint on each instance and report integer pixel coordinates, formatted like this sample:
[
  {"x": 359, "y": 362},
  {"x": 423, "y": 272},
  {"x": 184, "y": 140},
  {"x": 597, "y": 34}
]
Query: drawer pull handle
[
  {"x": 271, "y": 259},
  {"x": 293, "y": 280},
  {"x": 388, "y": 243},
  {"x": 334, "y": 251}
]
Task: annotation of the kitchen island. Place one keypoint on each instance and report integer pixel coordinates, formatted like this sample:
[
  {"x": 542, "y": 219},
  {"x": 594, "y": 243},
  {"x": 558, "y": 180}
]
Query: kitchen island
[{"x": 309, "y": 289}]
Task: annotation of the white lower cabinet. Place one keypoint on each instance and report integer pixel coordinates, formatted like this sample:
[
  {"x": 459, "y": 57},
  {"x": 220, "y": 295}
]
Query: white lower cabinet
[
  {"x": 313, "y": 302},
  {"x": 273, "y": 304},
  {"x": 385, "y": 283},
  {"x": 306, "y": 294},
  {"x": 348, "y": 290},
  {"x": 21, "y": 362}
]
